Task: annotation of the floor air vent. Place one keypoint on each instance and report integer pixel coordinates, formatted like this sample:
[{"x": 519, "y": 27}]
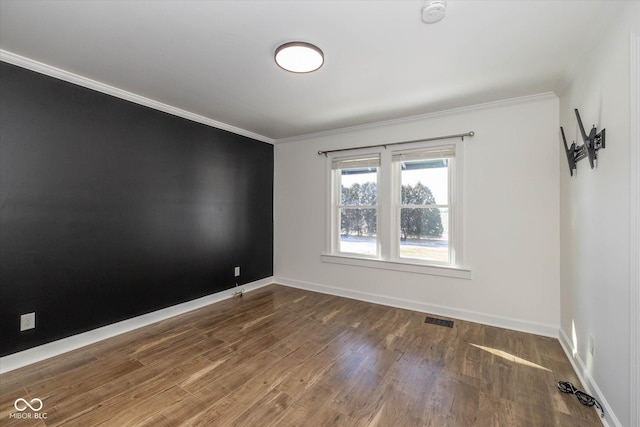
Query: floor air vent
[{"x": 439, "y": 322}]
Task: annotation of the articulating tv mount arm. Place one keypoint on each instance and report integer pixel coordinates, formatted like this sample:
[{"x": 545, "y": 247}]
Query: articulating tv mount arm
[
  {"x": 574, "y": 155},
  {"x": 592, "y": 143}
]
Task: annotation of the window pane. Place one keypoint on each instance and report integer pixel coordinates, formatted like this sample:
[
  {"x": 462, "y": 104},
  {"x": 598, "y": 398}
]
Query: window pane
[
  {"x": 424, "y": 234},
  {"x": 425, "y": 182},
  {"x": 359, "y": 186},
  {"x": 358, "y": 231}
]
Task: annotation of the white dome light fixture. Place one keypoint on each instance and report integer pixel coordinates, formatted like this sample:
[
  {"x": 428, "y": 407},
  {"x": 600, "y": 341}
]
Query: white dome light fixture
[
  {"x": 433, "y": 11},
  {"x": 299, "y": 57}
]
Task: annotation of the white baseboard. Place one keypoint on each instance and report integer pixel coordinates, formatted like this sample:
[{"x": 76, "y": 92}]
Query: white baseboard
[
  {"x": 472, "y": 316},
  {"x": 591, "y": 387},
  {"x": 55, "y": 348}
]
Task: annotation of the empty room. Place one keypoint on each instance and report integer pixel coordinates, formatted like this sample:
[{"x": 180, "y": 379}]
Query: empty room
[{"x": 320, "y": 213}]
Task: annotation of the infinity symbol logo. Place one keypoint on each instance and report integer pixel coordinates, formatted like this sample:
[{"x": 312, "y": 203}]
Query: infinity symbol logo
[{"x": 21, "y": 408}]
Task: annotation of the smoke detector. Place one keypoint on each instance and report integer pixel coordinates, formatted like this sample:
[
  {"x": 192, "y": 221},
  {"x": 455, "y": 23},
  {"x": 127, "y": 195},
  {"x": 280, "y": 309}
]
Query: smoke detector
[{"x": 434, "y": 11}]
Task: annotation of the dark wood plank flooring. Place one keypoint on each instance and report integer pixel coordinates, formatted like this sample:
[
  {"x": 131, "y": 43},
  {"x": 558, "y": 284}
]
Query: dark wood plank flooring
[{"x": 286, "y": 357}]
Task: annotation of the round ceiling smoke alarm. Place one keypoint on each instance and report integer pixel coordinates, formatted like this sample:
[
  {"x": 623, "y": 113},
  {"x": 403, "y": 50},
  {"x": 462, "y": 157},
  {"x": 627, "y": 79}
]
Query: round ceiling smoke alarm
[{"x": 434, "y": 11}]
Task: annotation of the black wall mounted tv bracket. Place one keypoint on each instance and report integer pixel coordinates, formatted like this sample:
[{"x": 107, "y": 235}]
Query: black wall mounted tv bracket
[
  {"x": 574, "y": 155},
  {"x": 592, "y": 143}
]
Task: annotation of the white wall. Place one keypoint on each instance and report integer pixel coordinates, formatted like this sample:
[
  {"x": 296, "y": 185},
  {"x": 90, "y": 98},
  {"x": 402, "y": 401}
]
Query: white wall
[
  {"x": 511, "y": 224},
  {"x": 595, "y": 220}
]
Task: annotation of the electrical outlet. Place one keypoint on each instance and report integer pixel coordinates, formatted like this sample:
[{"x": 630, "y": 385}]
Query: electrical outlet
[
  {"x": 592, "y": 345},
  {"x": 27, "y": 321},
  {"x": 236, "y": 271}
]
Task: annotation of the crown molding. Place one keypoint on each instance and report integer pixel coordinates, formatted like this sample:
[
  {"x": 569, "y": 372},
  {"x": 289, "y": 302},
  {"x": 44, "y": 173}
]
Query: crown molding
[
  {"x": 67, "y": 76},
  {"x": 470, "y": 108}
]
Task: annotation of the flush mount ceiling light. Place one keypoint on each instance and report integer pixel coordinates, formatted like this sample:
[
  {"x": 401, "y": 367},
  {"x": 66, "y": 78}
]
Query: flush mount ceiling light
[
  {"x": 434, "y": 11},
  {"x": 299, "y": 57}
]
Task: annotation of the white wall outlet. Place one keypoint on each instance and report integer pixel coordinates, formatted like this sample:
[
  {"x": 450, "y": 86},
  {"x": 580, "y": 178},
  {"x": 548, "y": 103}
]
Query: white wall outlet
[
  {"x": 236, "y": 271},
  {"x": 27, "y": 321},
  {"x": 592, "y": 345}
]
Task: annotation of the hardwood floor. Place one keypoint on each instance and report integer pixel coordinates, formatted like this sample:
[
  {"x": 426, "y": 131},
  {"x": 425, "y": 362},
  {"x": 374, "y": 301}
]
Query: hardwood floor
[{"x": 286, "y": 357}]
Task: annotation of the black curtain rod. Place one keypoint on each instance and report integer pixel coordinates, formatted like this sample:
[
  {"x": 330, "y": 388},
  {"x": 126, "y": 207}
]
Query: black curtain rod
[{"x": 460, "y": 135}]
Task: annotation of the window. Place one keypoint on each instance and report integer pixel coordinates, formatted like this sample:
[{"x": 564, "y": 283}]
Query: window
[
  {"x": 356, "y": 205},
  {"x": 396, "y": 209},
  {"x": 423, "y": 204}
]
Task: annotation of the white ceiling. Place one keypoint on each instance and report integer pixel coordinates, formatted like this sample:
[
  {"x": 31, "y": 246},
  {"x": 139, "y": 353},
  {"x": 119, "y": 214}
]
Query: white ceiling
[{"x": 215, "y": 58}]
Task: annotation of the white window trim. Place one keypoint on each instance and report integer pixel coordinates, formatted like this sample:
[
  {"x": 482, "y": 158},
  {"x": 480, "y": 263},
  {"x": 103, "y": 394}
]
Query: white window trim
[
  {"x": 396, "y": 183},
  {"x": 399, "y": 265},
  {"x": 389, "y": 259},
  {"x": 334, "y": 196}
]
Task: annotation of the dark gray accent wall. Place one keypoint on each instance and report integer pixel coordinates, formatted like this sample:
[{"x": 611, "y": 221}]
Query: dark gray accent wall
[{"x": 109, "y": 210}]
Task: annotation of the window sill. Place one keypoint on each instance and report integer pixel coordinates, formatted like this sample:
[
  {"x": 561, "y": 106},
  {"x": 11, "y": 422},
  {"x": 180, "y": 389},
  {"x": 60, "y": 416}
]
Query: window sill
[{"x": 408, "y": 267}]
